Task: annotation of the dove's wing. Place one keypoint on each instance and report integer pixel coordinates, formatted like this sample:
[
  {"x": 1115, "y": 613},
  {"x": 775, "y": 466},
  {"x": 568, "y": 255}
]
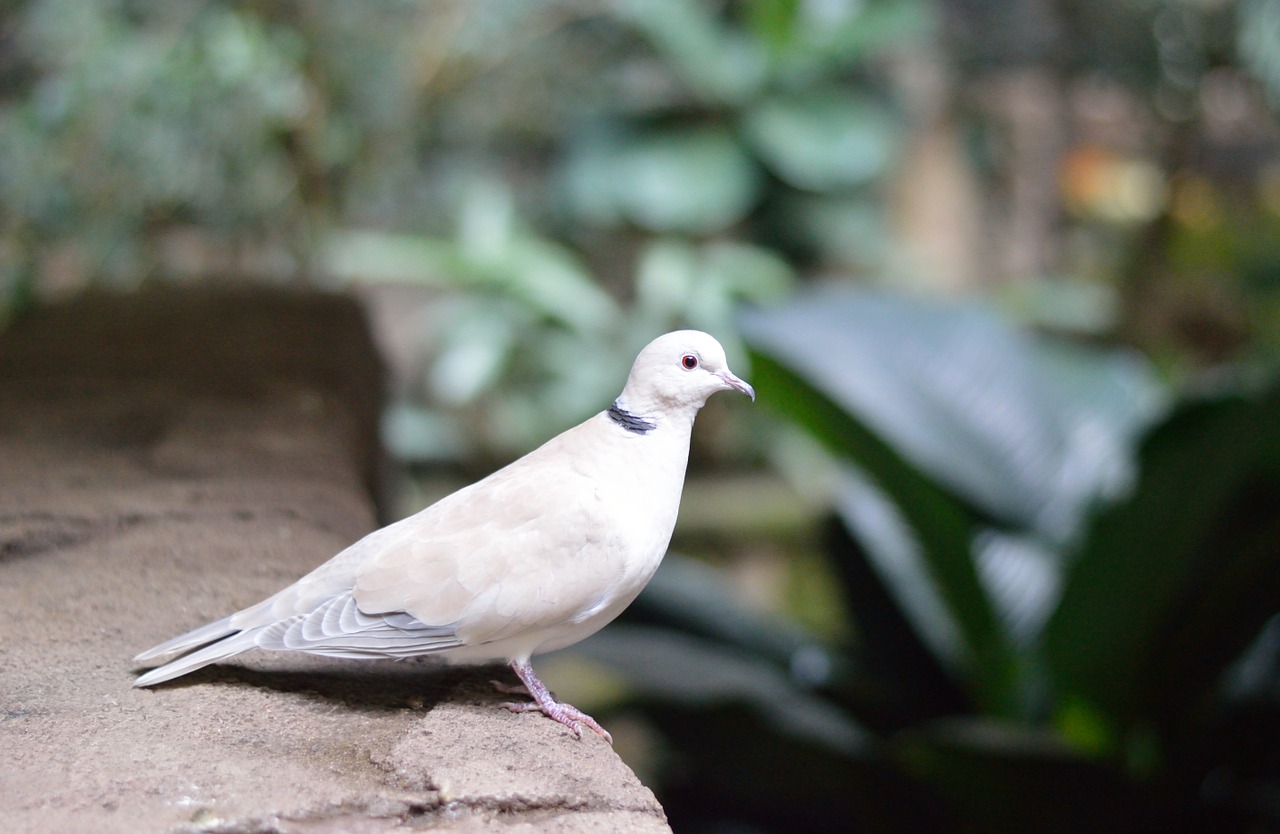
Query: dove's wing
[
  {"x": 313, "y": 594},
  {"x": 528, "y": 549},
  {"x": 525, "y": 552}
]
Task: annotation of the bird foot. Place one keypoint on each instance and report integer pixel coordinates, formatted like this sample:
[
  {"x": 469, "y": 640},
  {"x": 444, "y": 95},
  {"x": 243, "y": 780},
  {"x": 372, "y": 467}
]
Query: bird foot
[
  {"x": 545, "y": 702},
  {"x": 566, "y": 714}
]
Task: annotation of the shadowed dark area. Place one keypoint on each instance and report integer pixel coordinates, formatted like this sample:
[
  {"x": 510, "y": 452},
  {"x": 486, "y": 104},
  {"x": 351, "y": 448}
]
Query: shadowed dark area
[{"x": 374, "y": 686}]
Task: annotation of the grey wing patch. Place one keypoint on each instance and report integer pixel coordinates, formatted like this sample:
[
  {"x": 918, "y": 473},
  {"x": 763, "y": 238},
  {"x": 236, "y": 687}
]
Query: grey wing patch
[{"x": 338, "y": 628}]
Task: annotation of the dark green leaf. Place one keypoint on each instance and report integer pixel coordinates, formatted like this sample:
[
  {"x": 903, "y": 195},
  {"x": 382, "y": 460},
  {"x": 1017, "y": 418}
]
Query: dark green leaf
[
  {"x": 753, "y": 778},
  {"x": 956, "y": 419},
  {"x": 774, "y": 22},
  {"x": 687, "y": 595},
  {"x": 807, "y": 40},
  {"x": 903, "y": 677},
  {"x": 681, "y": 667},
  {"x": 1002, "y": 778},
  {"x": 944, "y": 528},
  {"x": 1173, "y": 582},
  {"x": 1028, "y": 432}
]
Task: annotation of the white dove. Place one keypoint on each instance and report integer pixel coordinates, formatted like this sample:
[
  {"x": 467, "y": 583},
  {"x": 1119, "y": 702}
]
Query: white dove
[{"x": 533, "y": 558}]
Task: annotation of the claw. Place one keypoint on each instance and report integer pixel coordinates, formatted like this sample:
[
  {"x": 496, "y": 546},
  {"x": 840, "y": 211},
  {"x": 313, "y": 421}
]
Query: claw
[{"x": 545, "y": 702}]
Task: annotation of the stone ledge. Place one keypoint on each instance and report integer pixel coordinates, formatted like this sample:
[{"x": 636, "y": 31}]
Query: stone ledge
[{"x": 169, "y": 458}]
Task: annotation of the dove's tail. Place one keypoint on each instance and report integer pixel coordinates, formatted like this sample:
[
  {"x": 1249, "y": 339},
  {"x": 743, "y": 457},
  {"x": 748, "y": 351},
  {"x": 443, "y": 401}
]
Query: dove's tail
[
  {"x": 194, "y": 639},
  {"x": 213, "y": 642}
]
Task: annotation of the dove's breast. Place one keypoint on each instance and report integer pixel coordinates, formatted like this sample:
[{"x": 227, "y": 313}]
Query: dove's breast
[{"x": 638, "y": 502}]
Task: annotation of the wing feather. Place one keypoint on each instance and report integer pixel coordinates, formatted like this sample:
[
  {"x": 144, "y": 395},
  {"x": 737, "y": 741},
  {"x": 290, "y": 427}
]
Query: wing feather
[
  {"x": 339, "y": 628},
  {"x": 516, "y": 552}
]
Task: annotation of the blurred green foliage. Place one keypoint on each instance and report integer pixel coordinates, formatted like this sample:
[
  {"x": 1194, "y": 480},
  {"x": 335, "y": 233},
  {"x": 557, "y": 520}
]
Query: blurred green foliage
[
  {"x": 197, "y": 139},
  {"x": 132, "y": 121},
  {"x": 598, "y": 166}
]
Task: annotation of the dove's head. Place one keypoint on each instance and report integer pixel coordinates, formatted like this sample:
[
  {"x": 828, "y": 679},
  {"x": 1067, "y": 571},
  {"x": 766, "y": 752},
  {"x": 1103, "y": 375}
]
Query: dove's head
[{"x": 678, "y": 372}]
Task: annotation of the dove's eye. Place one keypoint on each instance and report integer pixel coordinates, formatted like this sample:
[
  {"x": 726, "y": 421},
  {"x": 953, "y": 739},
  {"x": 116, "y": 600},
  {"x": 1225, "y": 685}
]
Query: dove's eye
[{"x": 689, "y": 361}]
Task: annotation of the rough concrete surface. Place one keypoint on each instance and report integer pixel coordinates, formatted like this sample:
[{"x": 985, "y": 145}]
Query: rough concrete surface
[{"x": 170, "y": 458}]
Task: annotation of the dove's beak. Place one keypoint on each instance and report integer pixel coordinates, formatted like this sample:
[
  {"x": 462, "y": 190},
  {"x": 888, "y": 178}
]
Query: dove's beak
[{"x": 737, "y": 384}]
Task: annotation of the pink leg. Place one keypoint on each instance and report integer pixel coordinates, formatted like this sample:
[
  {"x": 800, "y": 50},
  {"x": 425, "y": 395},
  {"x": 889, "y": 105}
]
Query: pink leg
[{"x": 567, "y": 715}]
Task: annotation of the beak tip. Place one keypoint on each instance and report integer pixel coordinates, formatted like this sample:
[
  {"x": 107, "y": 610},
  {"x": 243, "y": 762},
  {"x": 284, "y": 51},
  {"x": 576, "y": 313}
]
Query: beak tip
[{"x": 738, "y": 384}]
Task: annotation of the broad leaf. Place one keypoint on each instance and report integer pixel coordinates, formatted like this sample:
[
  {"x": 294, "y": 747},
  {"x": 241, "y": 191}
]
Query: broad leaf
[
  {"x": 943, "y": 526},
  {"x": 965, "y": 426},
  {"x": 685, "y": 180},
  {"x": 827, "y": 140},
  {"x": 1175, "y": 581},
  {"x": 1026, "y": 431}
]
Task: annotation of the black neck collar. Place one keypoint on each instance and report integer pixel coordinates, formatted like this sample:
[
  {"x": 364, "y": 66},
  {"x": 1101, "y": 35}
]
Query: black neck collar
[{"x": 629, "y": 421}]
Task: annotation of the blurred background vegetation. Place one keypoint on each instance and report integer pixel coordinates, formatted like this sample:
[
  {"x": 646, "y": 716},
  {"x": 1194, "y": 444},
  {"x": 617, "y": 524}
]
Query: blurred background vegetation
[{"x": 1000, "y": 548}]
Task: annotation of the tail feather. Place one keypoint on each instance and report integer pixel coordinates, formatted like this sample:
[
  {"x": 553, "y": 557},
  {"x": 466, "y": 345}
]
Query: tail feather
[
  {"x": 229, "y": 645},
  {"x": 186, "y": 642}
]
